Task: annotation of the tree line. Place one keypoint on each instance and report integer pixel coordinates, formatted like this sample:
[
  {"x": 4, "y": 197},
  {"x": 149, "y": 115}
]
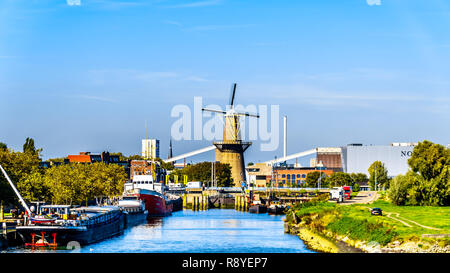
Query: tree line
[
  {"x": 336, "y": 179},
  {"x": 202, "y": 172},
  {"x": 64, "y": 184},
  {"x": 427, "y": 183}
]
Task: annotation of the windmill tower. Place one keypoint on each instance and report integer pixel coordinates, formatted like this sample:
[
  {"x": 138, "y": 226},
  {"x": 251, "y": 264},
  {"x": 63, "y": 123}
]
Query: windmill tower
[{"x": 231, "y": 149}]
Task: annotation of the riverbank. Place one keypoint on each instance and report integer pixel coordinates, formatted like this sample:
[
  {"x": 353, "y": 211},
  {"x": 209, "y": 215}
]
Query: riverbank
[{"x": 324, "y": 226}]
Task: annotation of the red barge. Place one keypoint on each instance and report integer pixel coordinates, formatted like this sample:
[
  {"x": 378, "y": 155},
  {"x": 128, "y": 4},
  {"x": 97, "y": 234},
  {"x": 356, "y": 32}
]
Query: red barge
[{"x": 157, "y": 202}]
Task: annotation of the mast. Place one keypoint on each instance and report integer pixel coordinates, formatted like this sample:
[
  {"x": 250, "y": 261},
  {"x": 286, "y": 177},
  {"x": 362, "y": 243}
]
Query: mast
[
  {"x": 27, "y": 209},
  {"x": 152, "y": 166}
]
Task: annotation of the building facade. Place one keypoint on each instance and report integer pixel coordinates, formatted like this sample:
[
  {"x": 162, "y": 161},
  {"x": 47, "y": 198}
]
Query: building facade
[
  {"x": 106, "y": 157},
  {"x": 357, "y": 158},
  {"x": 258, "y": 174},
  {"x": 150, "y": 148},
  {"x": 143, "y": 167},
  {"x": 262, "y": 175},
  {"x": 294, "y": 177}
]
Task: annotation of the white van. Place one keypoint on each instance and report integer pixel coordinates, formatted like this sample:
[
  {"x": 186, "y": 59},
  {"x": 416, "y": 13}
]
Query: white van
[{"x": 337, "y": 193}]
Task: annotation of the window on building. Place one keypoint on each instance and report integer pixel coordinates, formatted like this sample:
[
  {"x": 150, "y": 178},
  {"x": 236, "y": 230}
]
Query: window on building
[
  {"x": 298, "y": 175},
  {"x": 303, "y": 175},
  {"x": 283, "y": 176}
]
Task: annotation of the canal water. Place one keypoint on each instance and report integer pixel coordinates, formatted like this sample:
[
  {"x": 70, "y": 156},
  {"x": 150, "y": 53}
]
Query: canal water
[{"x": 211, "y": 231}]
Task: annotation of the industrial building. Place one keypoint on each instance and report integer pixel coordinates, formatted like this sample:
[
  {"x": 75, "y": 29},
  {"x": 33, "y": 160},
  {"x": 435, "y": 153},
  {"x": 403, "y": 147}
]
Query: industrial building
[
  {"x": 331, "y": 158},
  {"x": 262, "y": 174},
  {"x": 357, "y": 158},
  {"x": 258, "y": 174},
  {"x": 295, "y": 176}
]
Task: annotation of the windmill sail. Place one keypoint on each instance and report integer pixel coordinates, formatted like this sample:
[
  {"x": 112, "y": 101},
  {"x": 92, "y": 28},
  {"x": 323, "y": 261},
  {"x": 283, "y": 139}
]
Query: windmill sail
[{"x": 233, "y": 92}]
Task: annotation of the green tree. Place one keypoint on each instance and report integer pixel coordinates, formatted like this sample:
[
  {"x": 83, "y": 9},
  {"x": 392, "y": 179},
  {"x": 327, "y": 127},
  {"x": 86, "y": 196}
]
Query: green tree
[
  {"x": 28, "y": 146},
  {"x": 429, "y": 159},
  {"x": 134, "y": 157},
  {"x": 3, "y": 146},
  {"x": 339, "y": 179},
  {"x": 202, "y": 172},
  {"x": 398, "y": 189},
  {"x": 168, "y": 166},
  {"x": 358, "y": 178},
  {"x": 77, "y": 183},
  {"x": 32, "y": 187},
  {"x": 312, "y": 179},
  {"x": 378, "y": 176},
  {"x": 428, "y": 181},
  {"x": 19, "y": 167}
]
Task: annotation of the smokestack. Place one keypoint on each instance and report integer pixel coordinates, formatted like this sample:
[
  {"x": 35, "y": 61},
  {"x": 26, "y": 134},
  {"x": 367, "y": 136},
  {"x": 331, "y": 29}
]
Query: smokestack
[{"x": 285, "y": 137}]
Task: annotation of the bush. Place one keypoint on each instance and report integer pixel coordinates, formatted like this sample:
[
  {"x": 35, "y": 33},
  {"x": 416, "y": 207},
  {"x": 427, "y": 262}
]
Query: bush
[
  {"x": 398, "y": 192},
  {"x": 363, "y": 230}
]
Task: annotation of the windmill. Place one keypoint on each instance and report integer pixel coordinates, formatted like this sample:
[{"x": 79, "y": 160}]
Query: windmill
[{"x": 231, "y": 149}]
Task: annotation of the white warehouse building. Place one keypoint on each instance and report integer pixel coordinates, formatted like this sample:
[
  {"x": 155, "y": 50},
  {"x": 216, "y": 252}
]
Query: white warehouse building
[{"x": 357, "y": 158}]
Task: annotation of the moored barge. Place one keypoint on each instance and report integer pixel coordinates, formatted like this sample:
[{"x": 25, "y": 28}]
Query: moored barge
[
  {"x": 134, "y": 209},
  {"x": 58, "y": 225}
]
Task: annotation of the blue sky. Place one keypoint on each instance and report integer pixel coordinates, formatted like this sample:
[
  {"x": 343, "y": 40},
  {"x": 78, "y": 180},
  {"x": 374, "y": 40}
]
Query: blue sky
[{"x": 87, "y": 77}]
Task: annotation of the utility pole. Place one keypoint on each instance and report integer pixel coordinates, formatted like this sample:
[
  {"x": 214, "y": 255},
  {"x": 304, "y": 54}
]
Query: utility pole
[
  {"x": 213, "y": 174},
  {"x": 376, "y": 183},
  {"x": 285, "y": 137},
  {"x": 320, "y": 165}
]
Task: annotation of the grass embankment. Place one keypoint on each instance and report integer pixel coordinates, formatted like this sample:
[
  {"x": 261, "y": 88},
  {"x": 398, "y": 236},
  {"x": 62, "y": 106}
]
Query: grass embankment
[{"x": 401, "y": 228}]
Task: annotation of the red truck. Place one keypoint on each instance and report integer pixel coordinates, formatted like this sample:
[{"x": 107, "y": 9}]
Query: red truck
[{"x": 347, "y": 192}]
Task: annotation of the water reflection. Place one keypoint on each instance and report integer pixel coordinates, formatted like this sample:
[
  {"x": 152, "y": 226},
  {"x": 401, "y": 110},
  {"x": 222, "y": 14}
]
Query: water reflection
[{"x": 217, "y": 231}]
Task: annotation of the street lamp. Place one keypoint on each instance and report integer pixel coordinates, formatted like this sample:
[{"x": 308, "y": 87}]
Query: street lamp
[{"x": 320, "y": 166}]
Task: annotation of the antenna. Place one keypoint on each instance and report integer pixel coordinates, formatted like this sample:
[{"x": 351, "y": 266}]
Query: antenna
[{"x": 146, "y": 143}]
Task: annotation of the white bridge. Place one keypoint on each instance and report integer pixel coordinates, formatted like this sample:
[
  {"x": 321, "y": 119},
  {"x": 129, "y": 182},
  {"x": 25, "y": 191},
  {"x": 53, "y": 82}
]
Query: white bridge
[
  {"x": 270, "y": 162},
  {"x": 196, "y": 152}
]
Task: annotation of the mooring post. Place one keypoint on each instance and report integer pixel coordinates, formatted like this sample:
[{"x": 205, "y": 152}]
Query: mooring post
[
  {"x": 1, "y": 211},
  {"x": 184, "y": 201},
  {"x": 241, "y": 204},
  {"x": 202, "y": 202}
]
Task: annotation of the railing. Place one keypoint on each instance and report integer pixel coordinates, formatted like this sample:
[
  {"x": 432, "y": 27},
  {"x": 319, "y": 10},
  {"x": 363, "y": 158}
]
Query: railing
[
  {"x": 286, "y": 189},
  {"x": 239, "y": 189}
]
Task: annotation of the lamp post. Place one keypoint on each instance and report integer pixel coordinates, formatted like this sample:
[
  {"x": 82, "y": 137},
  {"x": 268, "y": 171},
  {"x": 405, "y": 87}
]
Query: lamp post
[{"x": 320, "y": 166}]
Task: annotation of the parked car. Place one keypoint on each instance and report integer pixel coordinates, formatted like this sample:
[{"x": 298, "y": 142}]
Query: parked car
[{"x": 376, "y": 211}]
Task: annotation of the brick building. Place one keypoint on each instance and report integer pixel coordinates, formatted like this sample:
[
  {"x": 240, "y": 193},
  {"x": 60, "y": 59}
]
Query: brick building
[
  {"x": 290, "y": 176},
  {"x": 143, "y": 167},
  {"x": 106, "y": 157}
]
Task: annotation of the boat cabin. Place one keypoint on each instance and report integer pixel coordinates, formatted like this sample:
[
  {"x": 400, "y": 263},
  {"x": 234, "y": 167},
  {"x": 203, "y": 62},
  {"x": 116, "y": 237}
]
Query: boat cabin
[
  {"x": 144, "y": 182},
  {"x": 56, "y": 211}
]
